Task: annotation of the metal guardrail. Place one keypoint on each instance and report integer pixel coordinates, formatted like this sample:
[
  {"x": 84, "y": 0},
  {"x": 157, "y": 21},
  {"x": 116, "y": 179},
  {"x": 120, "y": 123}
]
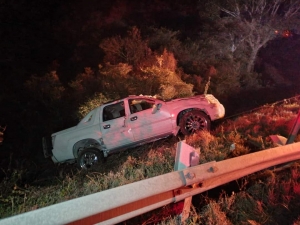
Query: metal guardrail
[
  {"x": 296, "y": 98},
  {"x": 124, "y": 202}
]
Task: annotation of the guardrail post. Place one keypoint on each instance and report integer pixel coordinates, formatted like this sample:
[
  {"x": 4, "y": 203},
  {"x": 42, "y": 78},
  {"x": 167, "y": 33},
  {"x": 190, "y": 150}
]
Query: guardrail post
[
  {"x": 280, "y": 140},
  {"x": 294, "y": 131},
  {"x": 186, "y": 156}
]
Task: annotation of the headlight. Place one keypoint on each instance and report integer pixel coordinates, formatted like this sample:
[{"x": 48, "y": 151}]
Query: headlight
[{"x": 211, "y": 99}]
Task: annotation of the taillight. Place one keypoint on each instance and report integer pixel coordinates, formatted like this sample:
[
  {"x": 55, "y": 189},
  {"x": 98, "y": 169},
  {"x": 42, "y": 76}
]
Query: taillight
[{"x": 53, "y": 139}]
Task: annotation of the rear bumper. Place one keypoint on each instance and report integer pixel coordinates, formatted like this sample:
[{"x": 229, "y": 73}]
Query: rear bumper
[{"x": 47, "y": 146}]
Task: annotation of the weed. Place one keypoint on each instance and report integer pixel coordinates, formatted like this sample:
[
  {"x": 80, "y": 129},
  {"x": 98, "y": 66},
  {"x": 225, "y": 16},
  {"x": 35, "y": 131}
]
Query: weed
[{"x": 212, "y": 214}]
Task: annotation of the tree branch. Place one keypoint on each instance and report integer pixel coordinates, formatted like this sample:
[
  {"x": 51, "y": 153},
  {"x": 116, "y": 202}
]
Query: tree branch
[{"x": 293, "y": 9}]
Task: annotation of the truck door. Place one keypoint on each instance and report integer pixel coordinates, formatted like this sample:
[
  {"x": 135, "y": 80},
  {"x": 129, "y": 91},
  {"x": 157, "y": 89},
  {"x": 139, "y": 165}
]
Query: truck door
[
  {"x": 146, "y": 124},
  {"x": 115, "y": 131}
]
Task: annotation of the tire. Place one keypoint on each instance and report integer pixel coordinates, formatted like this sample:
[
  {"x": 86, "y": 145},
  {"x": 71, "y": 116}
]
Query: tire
[
  {"x": 193, "y": 121},
  {"x": 89, "y": 157}
]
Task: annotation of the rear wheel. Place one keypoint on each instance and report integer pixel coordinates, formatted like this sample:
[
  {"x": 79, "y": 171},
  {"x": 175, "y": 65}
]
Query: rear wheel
[
  {"x": 194, "y": 121},
  {"x": 89, "y": 157}
]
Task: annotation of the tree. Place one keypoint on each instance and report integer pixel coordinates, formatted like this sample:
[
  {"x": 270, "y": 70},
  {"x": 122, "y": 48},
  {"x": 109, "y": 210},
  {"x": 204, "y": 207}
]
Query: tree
[
  {"x": 255, "y": 22},
  {"x": 42, "y": 113},
  {"x": 132, "y": 49},
  {"x": 85, "y": 85},
  {"x": 117, "y": 80},
  {"x": 165, "y": 79},
  {"x": 47, "y": 89},
  {"x": 161, "y": 38}
]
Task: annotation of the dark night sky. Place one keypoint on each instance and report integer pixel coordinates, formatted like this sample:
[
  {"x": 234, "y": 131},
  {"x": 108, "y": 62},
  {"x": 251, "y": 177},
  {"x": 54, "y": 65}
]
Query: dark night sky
[{"x": 35, "y": 33}]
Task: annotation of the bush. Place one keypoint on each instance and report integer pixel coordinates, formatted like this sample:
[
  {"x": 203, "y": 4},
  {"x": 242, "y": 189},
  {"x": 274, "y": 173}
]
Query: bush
[{"x": 97, "y": 100}]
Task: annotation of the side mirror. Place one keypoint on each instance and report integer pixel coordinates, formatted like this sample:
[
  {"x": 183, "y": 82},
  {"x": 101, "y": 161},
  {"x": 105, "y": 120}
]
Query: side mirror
[
  {"x": 156, "y": 107},
  {"x": 159, "y": 105}
]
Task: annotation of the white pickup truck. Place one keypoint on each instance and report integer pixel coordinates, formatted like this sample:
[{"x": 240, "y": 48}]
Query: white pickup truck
[{"x": 129, "y": 122}]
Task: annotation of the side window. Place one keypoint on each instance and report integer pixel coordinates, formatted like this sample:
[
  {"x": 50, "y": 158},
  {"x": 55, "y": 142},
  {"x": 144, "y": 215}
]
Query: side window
[
  {"x": 137, "y": 105},
  {"x": 113, "y": 111}
]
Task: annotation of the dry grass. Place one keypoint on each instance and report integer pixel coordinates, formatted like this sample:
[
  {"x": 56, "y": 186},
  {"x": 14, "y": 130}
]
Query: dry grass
[{"x": 137, "y": 164}]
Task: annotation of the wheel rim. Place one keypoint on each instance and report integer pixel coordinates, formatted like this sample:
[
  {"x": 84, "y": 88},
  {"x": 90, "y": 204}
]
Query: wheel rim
[
  {"x": 88, "y": 160},
  {"x": 194, "y": 123}
]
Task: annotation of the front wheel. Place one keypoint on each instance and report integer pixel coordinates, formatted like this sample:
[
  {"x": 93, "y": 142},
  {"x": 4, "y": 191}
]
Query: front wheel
[
  {"x": 89, "y": 157},
  {"x": 194, "y": 121}
]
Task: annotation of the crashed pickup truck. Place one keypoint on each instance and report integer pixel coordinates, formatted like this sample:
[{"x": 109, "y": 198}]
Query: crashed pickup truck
[{"x": 129, "y": 122}]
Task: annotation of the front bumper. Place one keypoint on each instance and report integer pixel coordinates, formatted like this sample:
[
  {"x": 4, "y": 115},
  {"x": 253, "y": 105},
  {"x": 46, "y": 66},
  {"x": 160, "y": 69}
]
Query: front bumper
[
  {"x": 47, "y": 146},
  {"x": 221, "y": 111}
]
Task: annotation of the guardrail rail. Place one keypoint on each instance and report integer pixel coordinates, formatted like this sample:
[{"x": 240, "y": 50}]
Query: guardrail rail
[{"x": 121, "y": 203}]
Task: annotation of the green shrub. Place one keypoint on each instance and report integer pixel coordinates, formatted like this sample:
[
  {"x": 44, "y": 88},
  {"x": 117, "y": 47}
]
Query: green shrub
[{"x": 97, "y": 100}]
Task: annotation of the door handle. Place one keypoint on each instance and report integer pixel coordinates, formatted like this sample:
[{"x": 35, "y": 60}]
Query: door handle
[
  {"x": 133, "y": 118},
  {"x": 106, "y": 126}
]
